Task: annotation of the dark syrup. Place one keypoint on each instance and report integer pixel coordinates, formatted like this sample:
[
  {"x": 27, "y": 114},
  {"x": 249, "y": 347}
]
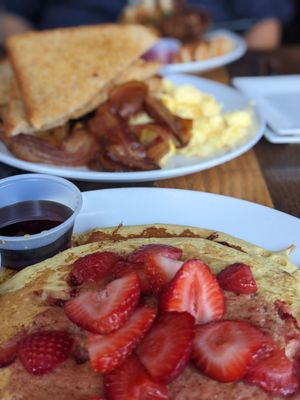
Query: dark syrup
[{"x": 29, "y": 218}]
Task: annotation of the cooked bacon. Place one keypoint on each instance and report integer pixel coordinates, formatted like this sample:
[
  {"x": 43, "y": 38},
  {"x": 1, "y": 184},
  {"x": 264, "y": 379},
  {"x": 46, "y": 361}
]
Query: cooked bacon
[
  {"x": 155, "y": 138},
  {"x": 104, "y": 125},
  {"x": 158, "y": 148},
  {"x": 150, "y": 131},
  {"x": 180, "y": 127},
  {"x": 75, "y": 150},
  {"x": 126, "y": 147},
  {"x": 130, "y": 158},
  {"x": 127, "y": 99},
  {"x": 101, "y": 162}
]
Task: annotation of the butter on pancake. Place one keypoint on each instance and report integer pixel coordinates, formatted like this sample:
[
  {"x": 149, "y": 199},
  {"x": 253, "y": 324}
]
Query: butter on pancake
[{"x": 276, "y": 277}]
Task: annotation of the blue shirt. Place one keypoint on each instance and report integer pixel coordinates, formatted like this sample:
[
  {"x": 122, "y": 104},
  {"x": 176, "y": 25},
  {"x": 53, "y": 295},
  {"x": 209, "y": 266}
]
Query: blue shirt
[
  {"x": 242, "y": 14},
  {"x": 236, "y": 14},
  {"x": 46, "y": 14}
]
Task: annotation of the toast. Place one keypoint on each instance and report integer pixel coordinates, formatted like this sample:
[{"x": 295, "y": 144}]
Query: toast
[
  {"x": 5, "y": 81},
  {"x": 15, "y": 117},
  {"x": 61, "y": 72}
]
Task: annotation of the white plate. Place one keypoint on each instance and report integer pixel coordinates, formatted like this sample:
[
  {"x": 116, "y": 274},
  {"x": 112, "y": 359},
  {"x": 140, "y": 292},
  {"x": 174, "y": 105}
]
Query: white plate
[
  {"x": 257, "y": 224},
  {"x": 273, "y": 137},
  {"x": 237, "y": 52},
  {"x": 278, "y": 97},
  {"x": 231, "y": 99}
]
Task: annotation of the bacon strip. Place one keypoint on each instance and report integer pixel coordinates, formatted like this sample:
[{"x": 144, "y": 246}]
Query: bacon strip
[
  {"x": 107, "y": 141},
  {"x": 76, "y": 150},
  {"x": 180, "y": 127}
]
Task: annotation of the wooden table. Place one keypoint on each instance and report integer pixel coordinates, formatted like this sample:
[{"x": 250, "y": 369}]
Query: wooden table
[{"x": 268, "y": 174}]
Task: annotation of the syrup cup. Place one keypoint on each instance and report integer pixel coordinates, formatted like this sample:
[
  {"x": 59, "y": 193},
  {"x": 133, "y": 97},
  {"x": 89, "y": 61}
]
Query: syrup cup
[{"x": 17, "y": 252}]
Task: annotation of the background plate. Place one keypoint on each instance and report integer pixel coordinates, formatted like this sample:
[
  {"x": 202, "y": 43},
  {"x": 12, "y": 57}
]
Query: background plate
[
  {"x": 273, "y": 137},
  {"x": 201, "y": 66},
  {"x": 230, "y": 98},
  {"x": 278, "y": 97},
  {"x": 257, "y": 224}
]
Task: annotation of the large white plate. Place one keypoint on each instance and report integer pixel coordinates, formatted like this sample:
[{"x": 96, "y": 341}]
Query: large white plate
[
  {"x": 231, "y": 99},
  {"x": 257, "y": 224},
  {"x": 278, "y": 97},
  {"x": 237, "y": 52}
]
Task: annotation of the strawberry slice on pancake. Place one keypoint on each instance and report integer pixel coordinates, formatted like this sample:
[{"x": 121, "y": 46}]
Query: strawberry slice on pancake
[
  {"x": 237, "y": 278},
  {"x": 42, "y": 351},
  {"x": 107, "y": 352},
  {"x": 105, "y": 311},
  {"x": 161, "y": 262},
  {"x": 92, "y": 268},
  {"x": 131, "y": 381},
  {"x": 167, "y": 347},
  {"x": 224, "y": 349},
  {"x": 194, "y": 289}
]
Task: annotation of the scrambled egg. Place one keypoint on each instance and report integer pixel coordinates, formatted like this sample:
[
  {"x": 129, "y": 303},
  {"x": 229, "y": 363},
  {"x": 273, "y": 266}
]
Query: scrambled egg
[{"x": 213, "y": 132}]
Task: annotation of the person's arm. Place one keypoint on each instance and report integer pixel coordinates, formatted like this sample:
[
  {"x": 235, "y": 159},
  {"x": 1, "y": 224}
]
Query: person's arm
[
  {"x": 269, "y": 16},
  {"x": 11, "y": 24},
  {"x": 264, "y": 35},
  {"x": 17, "y": 16}
]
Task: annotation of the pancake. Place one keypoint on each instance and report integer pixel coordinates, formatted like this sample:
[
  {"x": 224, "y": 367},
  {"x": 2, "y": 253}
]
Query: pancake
[
  {"x": 276, "y": 277},
  {"x": 122, "y": 232}
]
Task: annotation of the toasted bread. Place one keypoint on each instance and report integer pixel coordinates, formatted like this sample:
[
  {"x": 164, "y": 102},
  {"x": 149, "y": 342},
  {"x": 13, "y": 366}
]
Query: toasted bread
[
  {"x": 15, "y": 119},
  {"x": 61, "y": 71},
  {"x": 5, "y": 81}
]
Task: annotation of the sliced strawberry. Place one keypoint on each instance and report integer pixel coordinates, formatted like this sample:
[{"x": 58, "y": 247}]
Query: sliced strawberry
[
  {"x": 42, "y": 351},
  {"x": 194, "y": 289},
  {"x": 237, "y": 278},
  {"x": 107, "y": 310},
  {"x": 131, "y": 382},
  {"x": 224, "y": 349},
  {"x": 92, "y": 268},
  {"x": 160, "y": 261},
  {"x": 141, "y": 254},
  {"x": 125, "y": 267},
  {"x": 167, "y": 347},
  {"x": 274, "y": 374},
  {"x": 9, "y": 351},
  {"x": 107, "y": 352}
]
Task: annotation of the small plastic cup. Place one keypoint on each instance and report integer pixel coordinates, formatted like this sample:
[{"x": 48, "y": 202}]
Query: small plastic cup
[
  {"x": 36, "y": 190},
  {"x": 163, "y": 51}
]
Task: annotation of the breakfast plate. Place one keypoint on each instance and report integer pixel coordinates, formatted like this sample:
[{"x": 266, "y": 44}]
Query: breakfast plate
[
  {"x": 238, "y": 50},
  {"x": 254, "y": 223},
  {"x": 231, "y": 99}
]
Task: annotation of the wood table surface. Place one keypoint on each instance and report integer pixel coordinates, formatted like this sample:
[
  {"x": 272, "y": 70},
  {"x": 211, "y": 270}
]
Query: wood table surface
[{"x": 268, "y": 174}]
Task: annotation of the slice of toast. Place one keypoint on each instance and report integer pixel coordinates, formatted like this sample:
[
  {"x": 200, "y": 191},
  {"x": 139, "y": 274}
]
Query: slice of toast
[
  {"x": 15, "y": 118},
  {"x": 60, "y": 72},
  {"x": 5, "y": 81}
]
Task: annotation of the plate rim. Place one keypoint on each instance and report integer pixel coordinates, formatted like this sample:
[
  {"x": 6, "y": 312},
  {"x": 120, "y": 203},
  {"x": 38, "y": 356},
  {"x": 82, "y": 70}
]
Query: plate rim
[
  {"x": 215, "y": 62},
  {"x": 209, "y": 200}
]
